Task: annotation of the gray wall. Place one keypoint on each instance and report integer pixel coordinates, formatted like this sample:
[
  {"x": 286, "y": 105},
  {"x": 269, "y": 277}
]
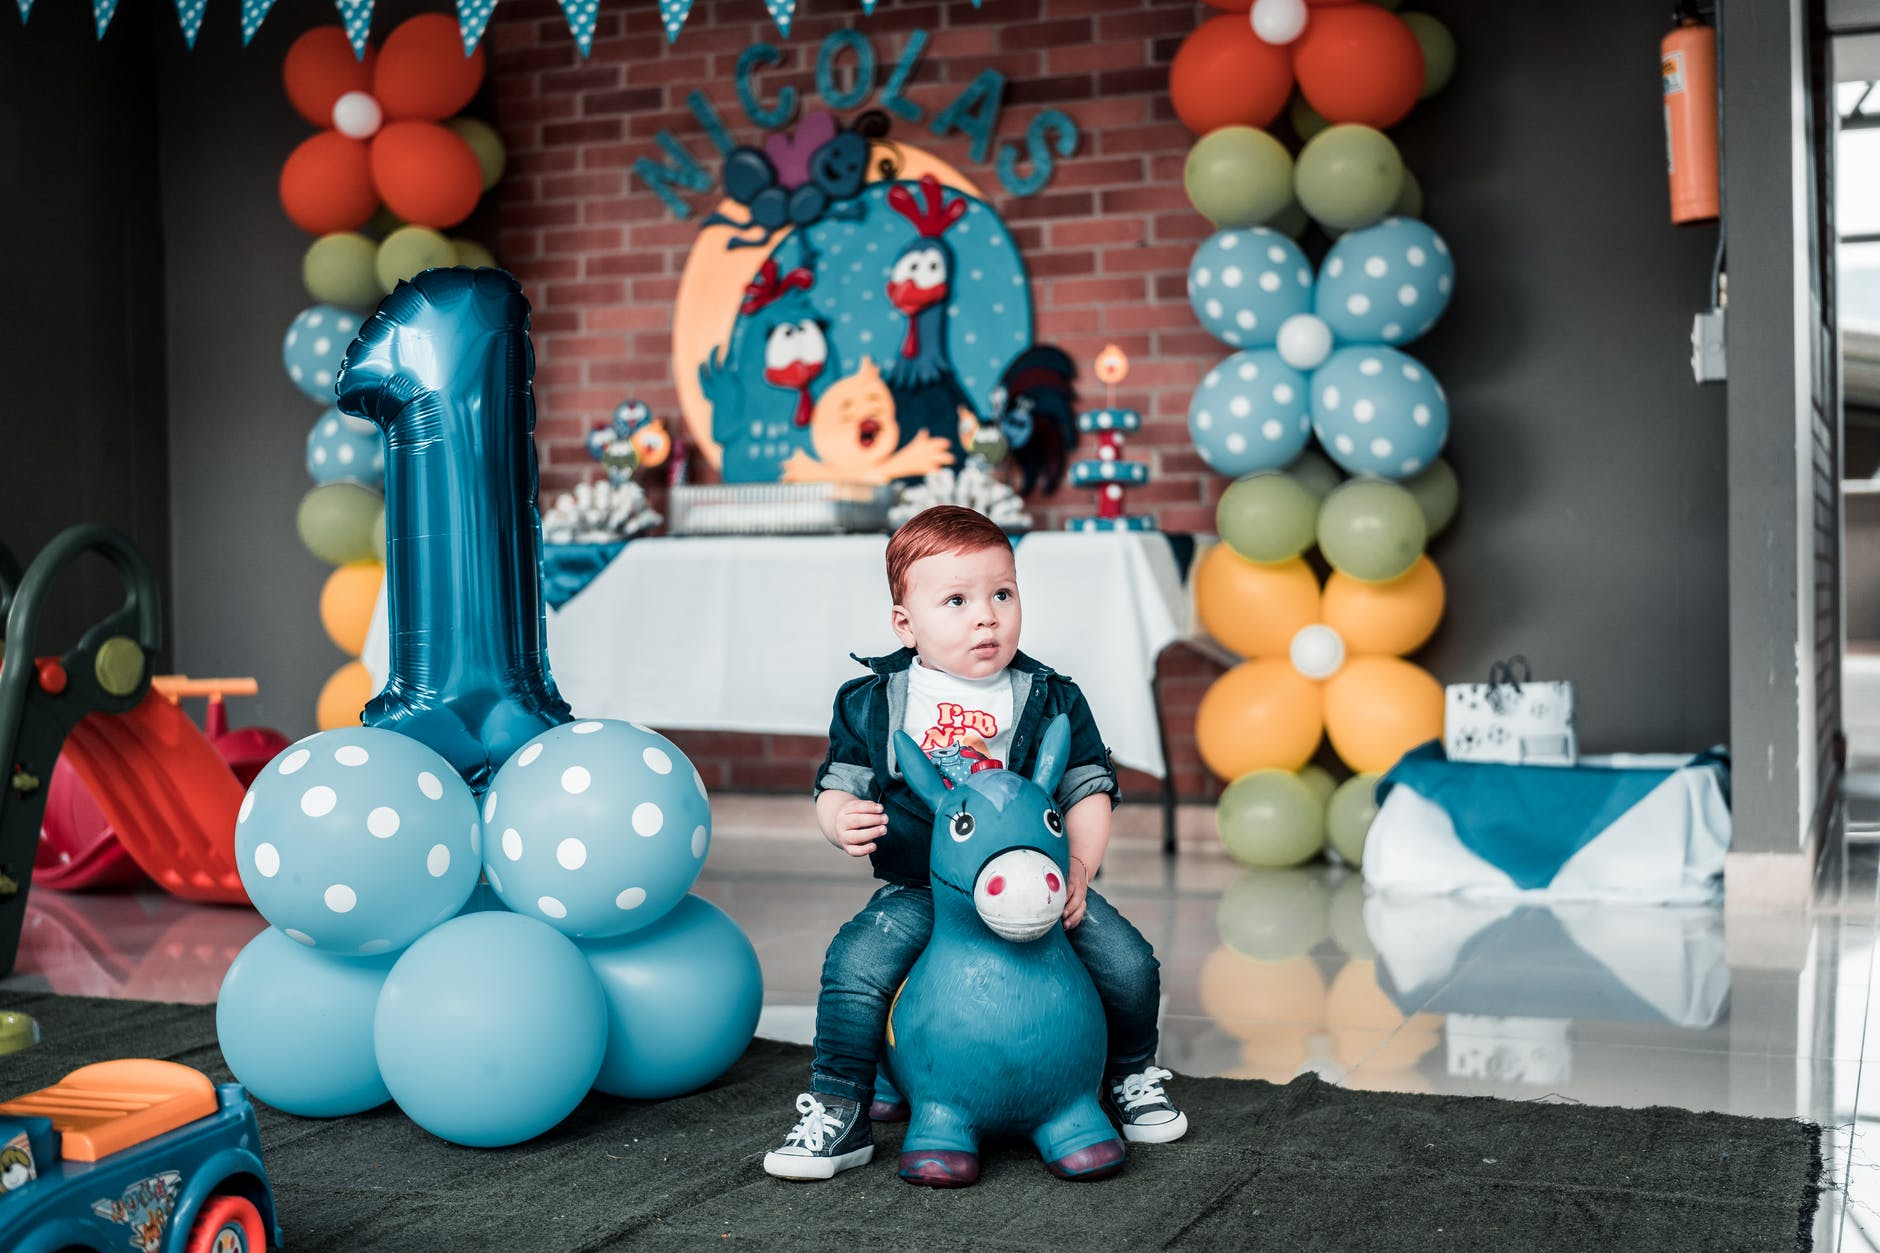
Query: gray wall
[
  {"x": 1592, "y": 531},
  {"x": 82, "y": 435}
]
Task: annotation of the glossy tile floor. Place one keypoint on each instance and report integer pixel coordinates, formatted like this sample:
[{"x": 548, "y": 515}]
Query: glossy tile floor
[{"x": 1268, "y": 973}]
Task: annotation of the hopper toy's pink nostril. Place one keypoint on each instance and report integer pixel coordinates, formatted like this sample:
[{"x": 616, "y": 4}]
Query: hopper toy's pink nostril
[
  {"x": 995, "y": 885},
  {"x": 1051, "y": 881}
]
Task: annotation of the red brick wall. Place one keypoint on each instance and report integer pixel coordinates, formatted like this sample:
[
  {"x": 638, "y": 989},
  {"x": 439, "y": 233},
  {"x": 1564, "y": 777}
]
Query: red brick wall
[{"x": 1107, "y": 242}]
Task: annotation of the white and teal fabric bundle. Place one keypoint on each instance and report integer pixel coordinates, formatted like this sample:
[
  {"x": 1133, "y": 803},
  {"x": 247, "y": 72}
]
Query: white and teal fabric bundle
[{"x": 1641, "y": 828}]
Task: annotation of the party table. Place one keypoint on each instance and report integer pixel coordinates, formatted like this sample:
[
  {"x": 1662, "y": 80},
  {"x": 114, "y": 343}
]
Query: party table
[{"x": 752, "y": 633}]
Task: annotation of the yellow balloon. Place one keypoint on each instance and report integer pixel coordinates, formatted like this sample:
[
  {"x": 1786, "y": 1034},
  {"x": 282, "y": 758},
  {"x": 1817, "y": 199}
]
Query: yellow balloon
[
  {"x": 1379, "y": 708},
  {"x": 1368, "y": 1028},
  {"x": 1392, "y": 618},
  {"x": 1254, "y": 610},
  {"x": 1248, "y": 998},
  {"x": 1261, "y": 715},
  {"x": 344, "y": 697},
  {"x": 346, "y": 604}
]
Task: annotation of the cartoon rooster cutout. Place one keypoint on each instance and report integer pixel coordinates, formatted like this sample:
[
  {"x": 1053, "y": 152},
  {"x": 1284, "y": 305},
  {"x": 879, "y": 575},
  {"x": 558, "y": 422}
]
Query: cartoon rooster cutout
[
  {"x": 763, "y": 388},
  {"x": 927, "y": 393}
]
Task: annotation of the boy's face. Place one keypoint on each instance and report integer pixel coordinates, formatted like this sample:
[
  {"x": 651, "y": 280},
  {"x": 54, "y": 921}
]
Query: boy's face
[{"x": 960, "y": 611}]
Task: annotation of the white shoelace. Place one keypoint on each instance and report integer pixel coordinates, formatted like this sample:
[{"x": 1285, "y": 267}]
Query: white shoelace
[
  {"x": 1144, "y": 1088},
  {"x": 818, "y": 1122}
]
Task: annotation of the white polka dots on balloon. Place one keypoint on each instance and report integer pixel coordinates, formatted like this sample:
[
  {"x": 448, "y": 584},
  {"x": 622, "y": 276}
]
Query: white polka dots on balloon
[
  {"x": 575, "y": 779},
  {"x": 631, "y": 898},
  {"x": 512, "y": 844},
  {"x": 383, "y": 822},
  {"x": 430, "y": 785},
  {"x": 1380, "y": 281},
  {"x": 437, "y": 861},
  {"x": 341, "y": 899},
  {"x": 351, "y": 755},
  {"x": 648, "y": 819},
  {"x": 1242, "y": 296},
  {"x": 318, "y": 802},
  {"x": 267, "y": 860},
  {"x": 1231, "y": 419},
  {"x": 528, "y": 754},
  {"x": 1396, "y": 412},
  {"x": 571, "y": 853},
  {"x": 294, "y": 760}
]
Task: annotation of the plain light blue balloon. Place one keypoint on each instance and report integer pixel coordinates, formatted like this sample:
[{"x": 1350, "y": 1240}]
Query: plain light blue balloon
[
  {"x": 490, "y": 1029},
  {"x": 357, "y": 841},
  {"x": 295, "y": 1026},
  {"x": 1250, "y": 414},
  {"x": 1387, "y": 283},
  {"x": 315, "y": 344},
  {"x": 596, "y": 828},
  {"x": 683, "y": 998},
  {"x": 1379, "y": 412},
  {"x": 1244, "y": 283},
  {"x": 342, "y": 448}
]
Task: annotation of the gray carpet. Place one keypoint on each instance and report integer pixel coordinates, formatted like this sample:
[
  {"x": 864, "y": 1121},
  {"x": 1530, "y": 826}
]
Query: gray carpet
[{"x": 1304, "y": 1166}]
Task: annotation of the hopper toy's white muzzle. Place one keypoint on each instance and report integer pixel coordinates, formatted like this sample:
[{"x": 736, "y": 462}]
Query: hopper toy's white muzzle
[{"x": 1019, "y": 894}]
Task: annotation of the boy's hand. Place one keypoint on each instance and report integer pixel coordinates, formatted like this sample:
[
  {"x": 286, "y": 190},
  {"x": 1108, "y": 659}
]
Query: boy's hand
[
  {"x": 1074, "y": 903},
  {"x": 858, "y": 824}
]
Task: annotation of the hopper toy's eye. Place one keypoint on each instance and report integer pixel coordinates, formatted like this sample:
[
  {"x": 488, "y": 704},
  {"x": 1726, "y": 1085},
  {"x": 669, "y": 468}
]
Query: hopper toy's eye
[
  {"x": 1053, "y": 822},
  {"x": 962, "y": 827}
]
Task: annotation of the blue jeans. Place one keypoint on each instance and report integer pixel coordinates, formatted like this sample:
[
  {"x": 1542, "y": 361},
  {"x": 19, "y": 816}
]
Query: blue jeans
[{"x": 874, "y": 951}]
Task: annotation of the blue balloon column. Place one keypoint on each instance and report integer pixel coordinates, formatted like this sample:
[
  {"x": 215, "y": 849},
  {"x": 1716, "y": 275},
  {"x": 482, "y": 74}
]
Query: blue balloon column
[{"x": 478, "y": 908}]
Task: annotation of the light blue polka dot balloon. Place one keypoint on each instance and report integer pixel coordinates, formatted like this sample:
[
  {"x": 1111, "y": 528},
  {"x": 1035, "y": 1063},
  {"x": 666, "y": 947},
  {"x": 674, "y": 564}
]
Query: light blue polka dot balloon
[
  {"x": 597, "y": 828},
  {"x": 357, "y": 841},
  {"x": 315, "y": 343},
  {"x": 683, "y": 998},
  {"x": 342, "y": 447},
  {"x": 1387, "y": 283},
  {"x": 295, "y": 1025},
  {"x": 1250, "y": 414},
  {"x": 490, "y": 1029},
  {"x": 1243, "y": 283},
  {"x": 1378, "y": 411}
]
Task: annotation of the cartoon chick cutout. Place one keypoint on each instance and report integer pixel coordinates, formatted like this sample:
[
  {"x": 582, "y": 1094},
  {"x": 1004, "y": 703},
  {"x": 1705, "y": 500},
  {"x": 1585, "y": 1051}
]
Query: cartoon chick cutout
[{"x": 855, "y": 435}]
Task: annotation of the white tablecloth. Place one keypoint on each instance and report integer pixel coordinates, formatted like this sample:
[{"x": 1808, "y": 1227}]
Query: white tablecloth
[{"x": 742, "y": 633}]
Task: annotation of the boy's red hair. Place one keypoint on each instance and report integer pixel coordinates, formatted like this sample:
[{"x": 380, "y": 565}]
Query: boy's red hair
[{"x": 940, "y": 529}]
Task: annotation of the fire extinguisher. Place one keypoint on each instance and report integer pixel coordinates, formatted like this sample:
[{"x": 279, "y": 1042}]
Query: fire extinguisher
[{"x": 1688, "y": 63}]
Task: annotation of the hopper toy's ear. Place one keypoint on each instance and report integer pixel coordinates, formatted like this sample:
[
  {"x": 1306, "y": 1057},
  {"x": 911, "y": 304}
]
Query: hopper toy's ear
[
  {"x": 1051, "y": 755},
  {"x": 922, "y": 775}
]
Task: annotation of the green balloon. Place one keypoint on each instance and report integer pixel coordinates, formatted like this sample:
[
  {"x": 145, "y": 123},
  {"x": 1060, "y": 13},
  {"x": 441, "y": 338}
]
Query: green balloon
[
  {"x": 409, "y": 251},
  {"x": 1238, "y": 176},
  {"x": 335, "y": 522},
  {"x": 1439, "y": 51},
  {"x": 1348, "y": 930},
  {"x": 341, "y": 269},
  {"x": 1371, "y": 530},
  {"x": 378, "y": 536},
  {"x": 1267, "y": 517},
  {"x": 1437, "y": 494},
  {"x": 1273, "y": 915},
  {"x": 1348, "y": 176},
  {"x": 475, "y": 255},
  {"x": 1315, "y": 472},
  {"x": 1348, "y": 816},
  {"x": 1410, "y": 198},
  {"x": 1291, "y": 220},
  {"x": 1321, "y": 780},
  {"x": 486, "y": 143},
  {"x": 1271, "y": 818},
  {"x": 1307, "y": 121}
]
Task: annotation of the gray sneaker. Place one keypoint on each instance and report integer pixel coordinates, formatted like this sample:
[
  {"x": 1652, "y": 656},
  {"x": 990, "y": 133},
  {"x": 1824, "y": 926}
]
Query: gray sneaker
[
  {"x": 833, "y": 1135},
  {"x": 1142, "y": 1109}
]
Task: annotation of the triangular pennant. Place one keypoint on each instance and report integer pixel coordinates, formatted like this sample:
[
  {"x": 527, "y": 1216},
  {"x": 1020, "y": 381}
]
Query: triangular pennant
[
  {"x": 102, "y": 11},
  {"x": 26, "y": 11},
  {"x": 672, "y": 12},
  {"x": 254, "y": 12},
  {"x": 472, "y": 17},
  {"x": 782, "y": 12},
  {"x": 357, "y": 15},
  {"x": 868, "y": 7},
  {"x": 189, "y": 17},
  {"x": 581, "y": 15}
]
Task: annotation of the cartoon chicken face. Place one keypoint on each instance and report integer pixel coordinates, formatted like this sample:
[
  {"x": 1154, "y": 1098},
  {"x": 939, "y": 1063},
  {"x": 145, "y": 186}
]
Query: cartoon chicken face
[
  {"x": 794, "y": 356},
  {"x": 918, "y": 279}
]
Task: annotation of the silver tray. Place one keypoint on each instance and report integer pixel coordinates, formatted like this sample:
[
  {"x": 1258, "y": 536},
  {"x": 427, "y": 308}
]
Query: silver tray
[{"x": 778, "y": 508}]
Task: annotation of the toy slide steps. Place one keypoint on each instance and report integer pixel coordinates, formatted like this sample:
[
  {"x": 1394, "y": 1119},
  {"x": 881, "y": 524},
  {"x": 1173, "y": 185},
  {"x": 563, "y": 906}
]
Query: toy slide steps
[
  {"x": 105, "y": 1108},
  {"x": 168, "y": 794}
]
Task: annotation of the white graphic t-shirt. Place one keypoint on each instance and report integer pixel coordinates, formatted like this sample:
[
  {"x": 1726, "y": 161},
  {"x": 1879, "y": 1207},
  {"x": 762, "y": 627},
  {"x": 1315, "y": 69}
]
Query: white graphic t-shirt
[{"x": 944, "y": 709}]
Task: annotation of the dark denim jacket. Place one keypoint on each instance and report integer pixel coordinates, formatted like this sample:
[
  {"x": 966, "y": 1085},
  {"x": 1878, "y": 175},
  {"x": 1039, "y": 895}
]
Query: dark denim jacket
[{"x": 861, "y": 752}]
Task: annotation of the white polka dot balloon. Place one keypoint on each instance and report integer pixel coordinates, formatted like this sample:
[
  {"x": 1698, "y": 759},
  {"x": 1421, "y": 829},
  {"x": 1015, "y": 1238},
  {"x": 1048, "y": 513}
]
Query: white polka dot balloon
[
  {"x": 1378, "y": 411},
  {"x": 1385, "y": 284},
  {"x": 341, "y": 447},
  {"x": 1245, "y": 283},
  {"x": 313, "y": 347},
  {"x": 1250, "y": 414},
  {"x": 597, "y": 828},
  {"x": 357, "y": 841}
]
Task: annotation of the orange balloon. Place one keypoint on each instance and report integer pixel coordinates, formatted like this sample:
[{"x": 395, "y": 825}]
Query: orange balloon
[
  {"x": 427, "y": 175},
  {"x": 1394, "y": 618},
  {"x": 1361, "y": 1016},
  {"x": 1244, "y": 996},
  {"x": 346, "y": 604},
  {"x": 326, "y": 185},
  {"x": 1261, "y": 715},
  {"x": 423, "y": 72},
  {"x": 1359, "y": 63},
  {"x": 1379, "y": 708},
  {"x": 1225, "y": 75},
  {"x": 1252, "y": 609},
  {"x": 320, "y": 68},
  {"x": 344, "y": 697}
]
